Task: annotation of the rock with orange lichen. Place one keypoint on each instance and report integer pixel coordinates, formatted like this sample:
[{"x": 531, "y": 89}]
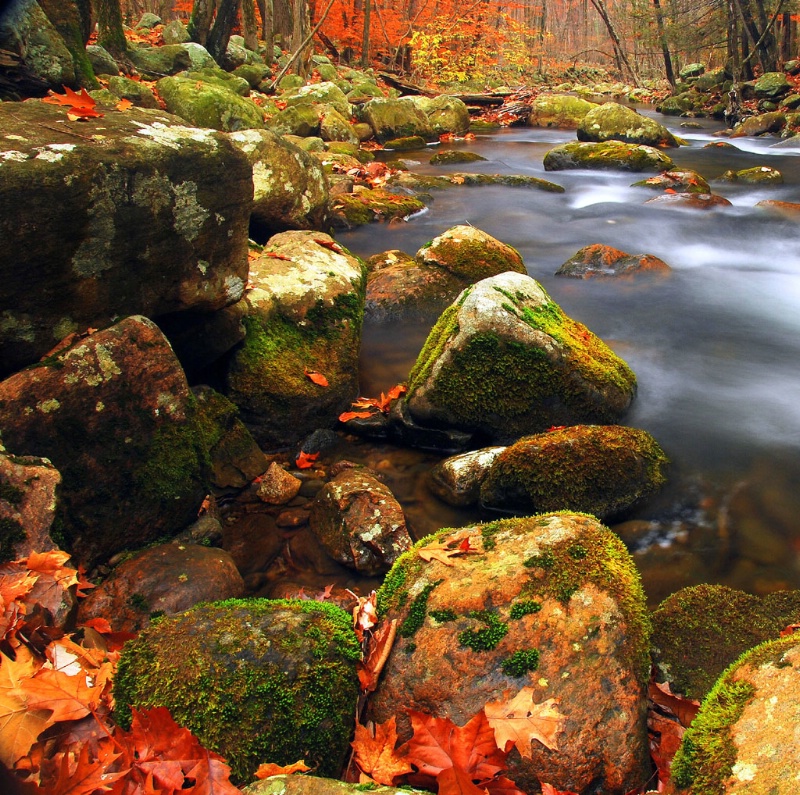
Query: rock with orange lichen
[{"x": 602, "y": 261}]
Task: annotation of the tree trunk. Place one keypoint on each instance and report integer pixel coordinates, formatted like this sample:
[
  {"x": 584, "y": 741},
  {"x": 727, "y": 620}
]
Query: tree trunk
[
  {"x": 619, "y": 52},
  {"x": 300, "y": 28},
  {"x": 365, "y": 36},
  {"x": 786, "y": 39},
  {"x": 662, "y": 36},
  {"x": 267, "y": 29},
  {"x": 200, "y": 20},
  {"x": 220, "y": 34},
  {"x": 249, "y": 26},
  {"x": 282, "y": 22},
  {"x": 109, "y": 28}
]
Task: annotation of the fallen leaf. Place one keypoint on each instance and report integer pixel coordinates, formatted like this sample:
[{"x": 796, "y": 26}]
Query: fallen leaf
[
  {"x": 68, "y": 697},
  {"x": 790, "y": 630},
  {"x": 365, "y": 614},
  {"x": 455, "y": 781},
  {"x": 346, "y": 416},
  {"x": 268, "y": 769},
  {"x": 375, "y": 753},
  {"x": 520, "y": 721},
  {"x": 305, "y": 460},
  {"x": 315, "y": 377},
  {"x": 275, "y": 255},
  {"x": 124, "y": 104},
  {"x": 85, "y": 773},
  {"x": 684, "y": 709},
  {"x": 329, "y": 244},
  {"x": 79, "y": 106},
  {"x": 549, "y": 789},
  {"x": 458, "y": 545},
  {"x": 380, "y": 645}
]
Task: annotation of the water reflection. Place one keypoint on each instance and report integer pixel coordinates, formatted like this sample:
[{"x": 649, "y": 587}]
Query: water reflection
[{"x": 715, "y": 348}]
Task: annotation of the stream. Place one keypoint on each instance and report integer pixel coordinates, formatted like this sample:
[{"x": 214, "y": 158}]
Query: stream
[{"x": 715, "y": 347}]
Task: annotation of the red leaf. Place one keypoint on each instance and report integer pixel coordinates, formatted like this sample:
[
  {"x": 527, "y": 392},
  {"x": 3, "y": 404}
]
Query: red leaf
[
  {"x": 355, "y": 415},
  {"x": 268, "y": 769},
  {"x": 790, "y": 630},
  {"x": 315, "y": 377},
  {"x": 329, "y": 244},
  {"x": 275, "y": 255},
  {"x": 454, "y": 781},
  {"x": 376, "y": 755},
  {"x": 305, "y": 460}
]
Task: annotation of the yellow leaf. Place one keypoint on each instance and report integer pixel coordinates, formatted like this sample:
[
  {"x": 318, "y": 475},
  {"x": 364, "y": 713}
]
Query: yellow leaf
[
  {"x": 520, "y": 721},
  {"x": 124, "y": 104}
]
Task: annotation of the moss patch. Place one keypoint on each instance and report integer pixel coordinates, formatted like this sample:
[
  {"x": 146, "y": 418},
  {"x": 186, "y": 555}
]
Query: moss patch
[
  {"x": 486, "y": 638},
  {"x": 521, "y": 662}
]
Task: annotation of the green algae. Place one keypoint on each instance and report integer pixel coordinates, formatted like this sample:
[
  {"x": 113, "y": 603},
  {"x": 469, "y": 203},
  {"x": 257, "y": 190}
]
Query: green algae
[
  {"x": 520, "y": 662},
  {"x": 486, "y": 638}
]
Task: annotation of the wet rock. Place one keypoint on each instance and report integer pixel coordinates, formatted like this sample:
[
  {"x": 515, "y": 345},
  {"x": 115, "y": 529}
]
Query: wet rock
[
  {"x": 509, "y": 180},
  {"x": 101, "y": 60},
  {"x": 599, "y": 469},
  {"x": 457, "y": 480},
  {"x": 744, "y": 738},
  {"x": 690, "y": 201},
  {"x": 290, "y": 664},
  {"x": 602, "y": 261},
  {"x": 290, "y": 188},
  {"x": 114, "y": 414},
  {"x": 150, "y": 217},
  {"x": 772, "y": 122},
  {"x": 614, "y": 122},
  {"x": 28, "y": 501},
  {"x": 365, "y": 206},
  {"x": 395, "y": 118},
  {"x": 681, "y": 180},
  {"x": 699, "y": 631},
  {"x": 606, "y": 155},
  {"x": 278, "y": 486},
  {"x": 305, "y": 314},
  {"x": 534, "y": 605},
  {"x": 454, "y": 156},
  {"x": 359, "y": 522},
  {"x": 559, "y": 110},
  {"x": 292, "y": 518},
  {"x": 504, "y": 361},
  {"x": 162, "y": 580},
  {"x": 758, "y": 175},
  {"x": 789, "y": 210},
  {"x": 445, "y": 114},
  {"x": 135, "y": 92},
  {"x": 314, "y": 785},
  {"x": 206, "y": 104}
]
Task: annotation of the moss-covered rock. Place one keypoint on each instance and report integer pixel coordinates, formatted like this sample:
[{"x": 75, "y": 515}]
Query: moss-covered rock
[
  {"x": 607, "y": 155},
  {"x": 508, "y": 180},
  {"x": 214, "y": 76},
  {"x": 134, "y": 91},
  {"x": 396, "y": 118},
  {"x": 680, "y": 180},
  {"x": 552, "y": 603},
  {"x": 156, "y": 62},
  {"x": 314, "y": 785},
  {"x": 302, "y": 120},
  {"x": 199, "y": 56},
  {"x": 101, "y": 60},
  {"x": 333, "y": 126},
  {"x": 559, "y": 110},
  {"x": 305, "y": 313},
  {"x": 772, "y": 122},
  {"x": 67, "y": 20},
  {"x": 599, "y": 469},
  {"x": 599, "y": 261},
  {"x": 254, "y": 680},
  {"x": 692, "y": 70},
  {"x": 205, "y": 104},
  {"x": 253, "y": 73},
  {"x": 363, "y": 92},
  {"x": 505, "y": 361},
  {"x": 757, "y": 175},
  {"x": 744, "y": 739},
  {"x": 175, "y": 33},
  {"x": 325, "y": 93},
  {"x": 699, "y": 631},
  {"x": 446, "y": 114},
  {"x": 681, "y": 104},
  {"x": 369, "y": 205},
  {"x": 771, "y": 85},
  {"x": 407, "y": 143},
  {"x": 455, "y": 156},
  {"x": 614, "y": 122}
]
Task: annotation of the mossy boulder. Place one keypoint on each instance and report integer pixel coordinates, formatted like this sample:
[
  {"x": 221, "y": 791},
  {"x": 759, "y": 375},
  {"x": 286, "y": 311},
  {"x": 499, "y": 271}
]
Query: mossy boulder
[
  {"x": 335, "y": 127},
  {"x": 504, "y": 361},
  {"x": 744, "y": 739},
  {"x": 772, "y": 122},
  {"x": 679, "y": 180},
  {"x": 205, "y": 104},
  {"x": 157, "y": 62},
  {"x": 455, "y": 156},
  {"x": 689, "y": 201},
  {"x": 699, "y": 631},
  {"x": 446, "y": 114},
  {"x": 290, "y": 190},
  {"x": 692, "y": 70},
  {"x": 681, "y": 104},
  {"x": 305, "y": 314},
  {"x": 175, "y": 33},
  {"x": 325, "y": 93},
  {"x": 599, "y": 261},
  {"x": 302, "y": 120},
  {"x": 200, "y": 57},
  {"x": 559, "y": 110},
  {"x": 757, "y": 175},
  {"x": 102, "y": 61},
  {"x": 369, "y": 205},
  {"x": 771, "y": 85},
  {"x": 134, "y": 91},
  {"x": 396, "y": 118},
  {"x": 408, "y": 143},
  {"x": 363, "y": 92},
  {"x": 253, "y": 73},
  {"x": 551, "y": 604},
  {"x": 604, "y": 470},
  {"x": 314, "y": 785},
  {"x": 615, "y": 122},
  {"x": 255, "y": 680},
  {"x": 507, "y": 180},
  {"x": 114, "y": 414},
  {"x": 607, "y": 155},
  {"x": 214, "y": 76}
]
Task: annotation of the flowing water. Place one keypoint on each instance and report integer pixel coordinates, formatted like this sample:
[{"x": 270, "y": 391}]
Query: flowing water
[{"x": 716, "y": 347}]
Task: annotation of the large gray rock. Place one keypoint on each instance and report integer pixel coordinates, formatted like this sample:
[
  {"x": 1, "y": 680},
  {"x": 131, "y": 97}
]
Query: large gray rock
[
  {"x": 504, "y": 361},
  {"x": 446, "y": 114},
  {"x": 559, "y": 110},
  {"x": 396, "y": 118},
  {"x": 156, "y": 62},
  {"x": 606, "y": 155},
  {"x": 325, "y": 93},
  {"x": 614, "y": 122},
  {"x": 147, "y": 216}
]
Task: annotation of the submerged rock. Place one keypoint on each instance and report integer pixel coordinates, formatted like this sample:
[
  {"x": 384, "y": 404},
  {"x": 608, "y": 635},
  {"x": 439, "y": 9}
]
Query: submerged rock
[
  {"x": 744, "y": 739},
  {"x": 614, "y": 122},
  {"x": 678, "y": 180},
  {"x": 252, "y": 679},
  {"x": 606, "y": 155},
  {"x": 504, "y": 361},
  {"x": 365, "y": 206},
  {"x": 454, "y": 156},
  {"x": 789, "y": 210},
  {"x": 599, "y": 469},
  {"x": 547, "y": 609},
  {"x": 599, "y": 261}
]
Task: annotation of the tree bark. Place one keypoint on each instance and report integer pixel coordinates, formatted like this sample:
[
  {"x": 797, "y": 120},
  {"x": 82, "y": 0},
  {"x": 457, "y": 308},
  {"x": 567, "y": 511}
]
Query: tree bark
[
  {"x": 200, "y": 20},
  {"x": 300, "y": 38},
  {"x": 619, "y": 52},
  {"x": 365, "y": 36},
  {"x": 662, "y": 36},
  {"x": 220, "y": 34},
  {"x": 109, "y": 28},
  {"x": 267, "y": 29},
  {"x": 249, "y": 26}
]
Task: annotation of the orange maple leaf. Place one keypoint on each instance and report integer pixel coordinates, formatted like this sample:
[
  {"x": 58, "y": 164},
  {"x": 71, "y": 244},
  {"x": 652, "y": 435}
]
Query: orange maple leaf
[
  {"x": 375, "y": 753},
  {"x": 86, "y": 773},
  {"x": 268, "y": 769},
  {"x": 315, "y": 377},
  {"x": 457, "y": 545},
  {"x": 124, "y": 104},
  {"x": 79, "y": 106},
  {"x": 549, "y": 789},
  {"x": 305, "y": 460},
  {"x": 346, "y": 416},
  {"x": 329, "y": 244},
  {"x": 455, "y": 781},
  {"x": 519, "y": 721}
]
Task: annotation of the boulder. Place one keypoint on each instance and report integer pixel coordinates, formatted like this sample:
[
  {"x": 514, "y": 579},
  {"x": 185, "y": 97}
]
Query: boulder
[
  {"x": 744, "y": 739},
  {"x": 214, "y": 76},
  {"x": 200, "y": 57},
  {"x": 290, "y": 190},
  {"x": 606, "y": 155},
  {"x": 692, "y": 70},
  {"x": 689, "y": 201},
  {"x": 305, "y": 314},
  {"x": 314, "y": 785},
  {"x": 790, "y": 210},
  {"x": 28, "y": 501},
  {"x": 454, "y": 156},
  {"x": 359, "y": 522},
  {"x": 771, "y": 85},
  {"x": 363, "y": 92},
  {"x": 102, "y": 61},
  {"x": 162, "y": 580},
  {"x": 772, "y": 122},
  {"x": 599, "y": 261},
  {"x": 45, "y": 61},
  {"x": 366, "y": 206},
  {"x": 175, "y": 33},
  {"x": 277, "y": 486},
  {"x": 114, "y": 414},
  {"x": 699, "y": 631},
  {"x": 135, "y": 91},
  {"x": 252, "y": 679},
  {"x": 757, "y": 175},
  {"x": 137, "y": 215},
  {"x": 396, "y": 118},
  {"x": 335, "y": 127},
  {"x": 509, "y": 180},
  {"x": 559, "y": 110},
  {"x": 325, "y": 93},
  {"x": 253, "y": 73},
  {"x": 604, "y": 470},
  {"x": 301, "y": 120},
  {"x": 148, "y": 21},
  {"x": 548, "y": 611},
  {"x": 615, "y": 122},
  {"x": 205, "y": 104},
  {"x": 457, "y": 480},
  {"x": 504, "y": 361},
  {"x": 683, "y": 104},
  {"x": 156, "y": 62},
  {"x": 445, "y": 114},
  {"x": 678, "y": 180}
]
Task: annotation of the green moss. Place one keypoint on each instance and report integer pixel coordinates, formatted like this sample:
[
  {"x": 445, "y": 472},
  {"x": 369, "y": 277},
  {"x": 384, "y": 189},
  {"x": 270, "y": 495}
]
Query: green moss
[
  {"x": 471, "y": 257},
  {"x": 368, "y": 206},
  {"x": 11, "y": 534},
  {"x": 488, "y": 532},
  {"x": 524, "y": 607},
  {"x": 139, "y": 602},
  {"x": 444, "y": 328},
  {"x": 546, "y": 560},
  {"x": 577, "y": 551},
  {"x": 487, "y": 638},
  {"x": 520, "y": 662},
  {"x": 230, "y": 673},
  {"x": 443, "y": 616},
  {"x": 416, "y": 612}
]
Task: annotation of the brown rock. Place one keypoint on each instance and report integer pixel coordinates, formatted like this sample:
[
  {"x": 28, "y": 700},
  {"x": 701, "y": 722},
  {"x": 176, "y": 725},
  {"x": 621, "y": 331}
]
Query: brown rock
[
  {"x": 598, "y": 260},
  {"x": 278, "y": 486},
  {"x": 691, "y": 201},
  {"x": 359, "y": 522},
  {"x": 790, "y": 210},
  {"x": 552, "y": 603},
  {"x": 292, "y": 518},
  {"x": 168, "y": 578}
]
